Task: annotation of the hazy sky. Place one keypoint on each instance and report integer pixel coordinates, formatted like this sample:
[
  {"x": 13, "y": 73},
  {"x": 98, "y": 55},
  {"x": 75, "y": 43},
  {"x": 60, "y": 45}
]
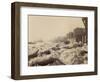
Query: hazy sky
[{"x": 49, "y": 27}]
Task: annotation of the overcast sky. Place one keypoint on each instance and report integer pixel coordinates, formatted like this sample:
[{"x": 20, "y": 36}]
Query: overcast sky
[{"x": 49, "y": 27}]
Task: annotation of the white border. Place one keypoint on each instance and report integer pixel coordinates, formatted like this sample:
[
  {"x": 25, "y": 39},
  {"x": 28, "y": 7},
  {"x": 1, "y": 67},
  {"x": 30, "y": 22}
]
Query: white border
[{"x": 25, "y": 70}]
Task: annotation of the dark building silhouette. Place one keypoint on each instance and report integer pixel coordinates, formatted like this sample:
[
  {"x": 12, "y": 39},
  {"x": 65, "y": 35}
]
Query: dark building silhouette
[{"x": 79, "y": 33}]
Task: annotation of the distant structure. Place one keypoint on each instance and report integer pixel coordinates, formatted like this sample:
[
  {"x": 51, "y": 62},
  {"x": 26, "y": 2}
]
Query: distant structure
[
  {"x": 71, "y": 36},
  {"x": 79, "y": 34}
]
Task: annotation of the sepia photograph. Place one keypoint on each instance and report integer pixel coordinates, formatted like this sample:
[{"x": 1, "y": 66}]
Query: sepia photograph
[
  {"x": 53, "y": 40},
  {"x": 57, "y": 40}
]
